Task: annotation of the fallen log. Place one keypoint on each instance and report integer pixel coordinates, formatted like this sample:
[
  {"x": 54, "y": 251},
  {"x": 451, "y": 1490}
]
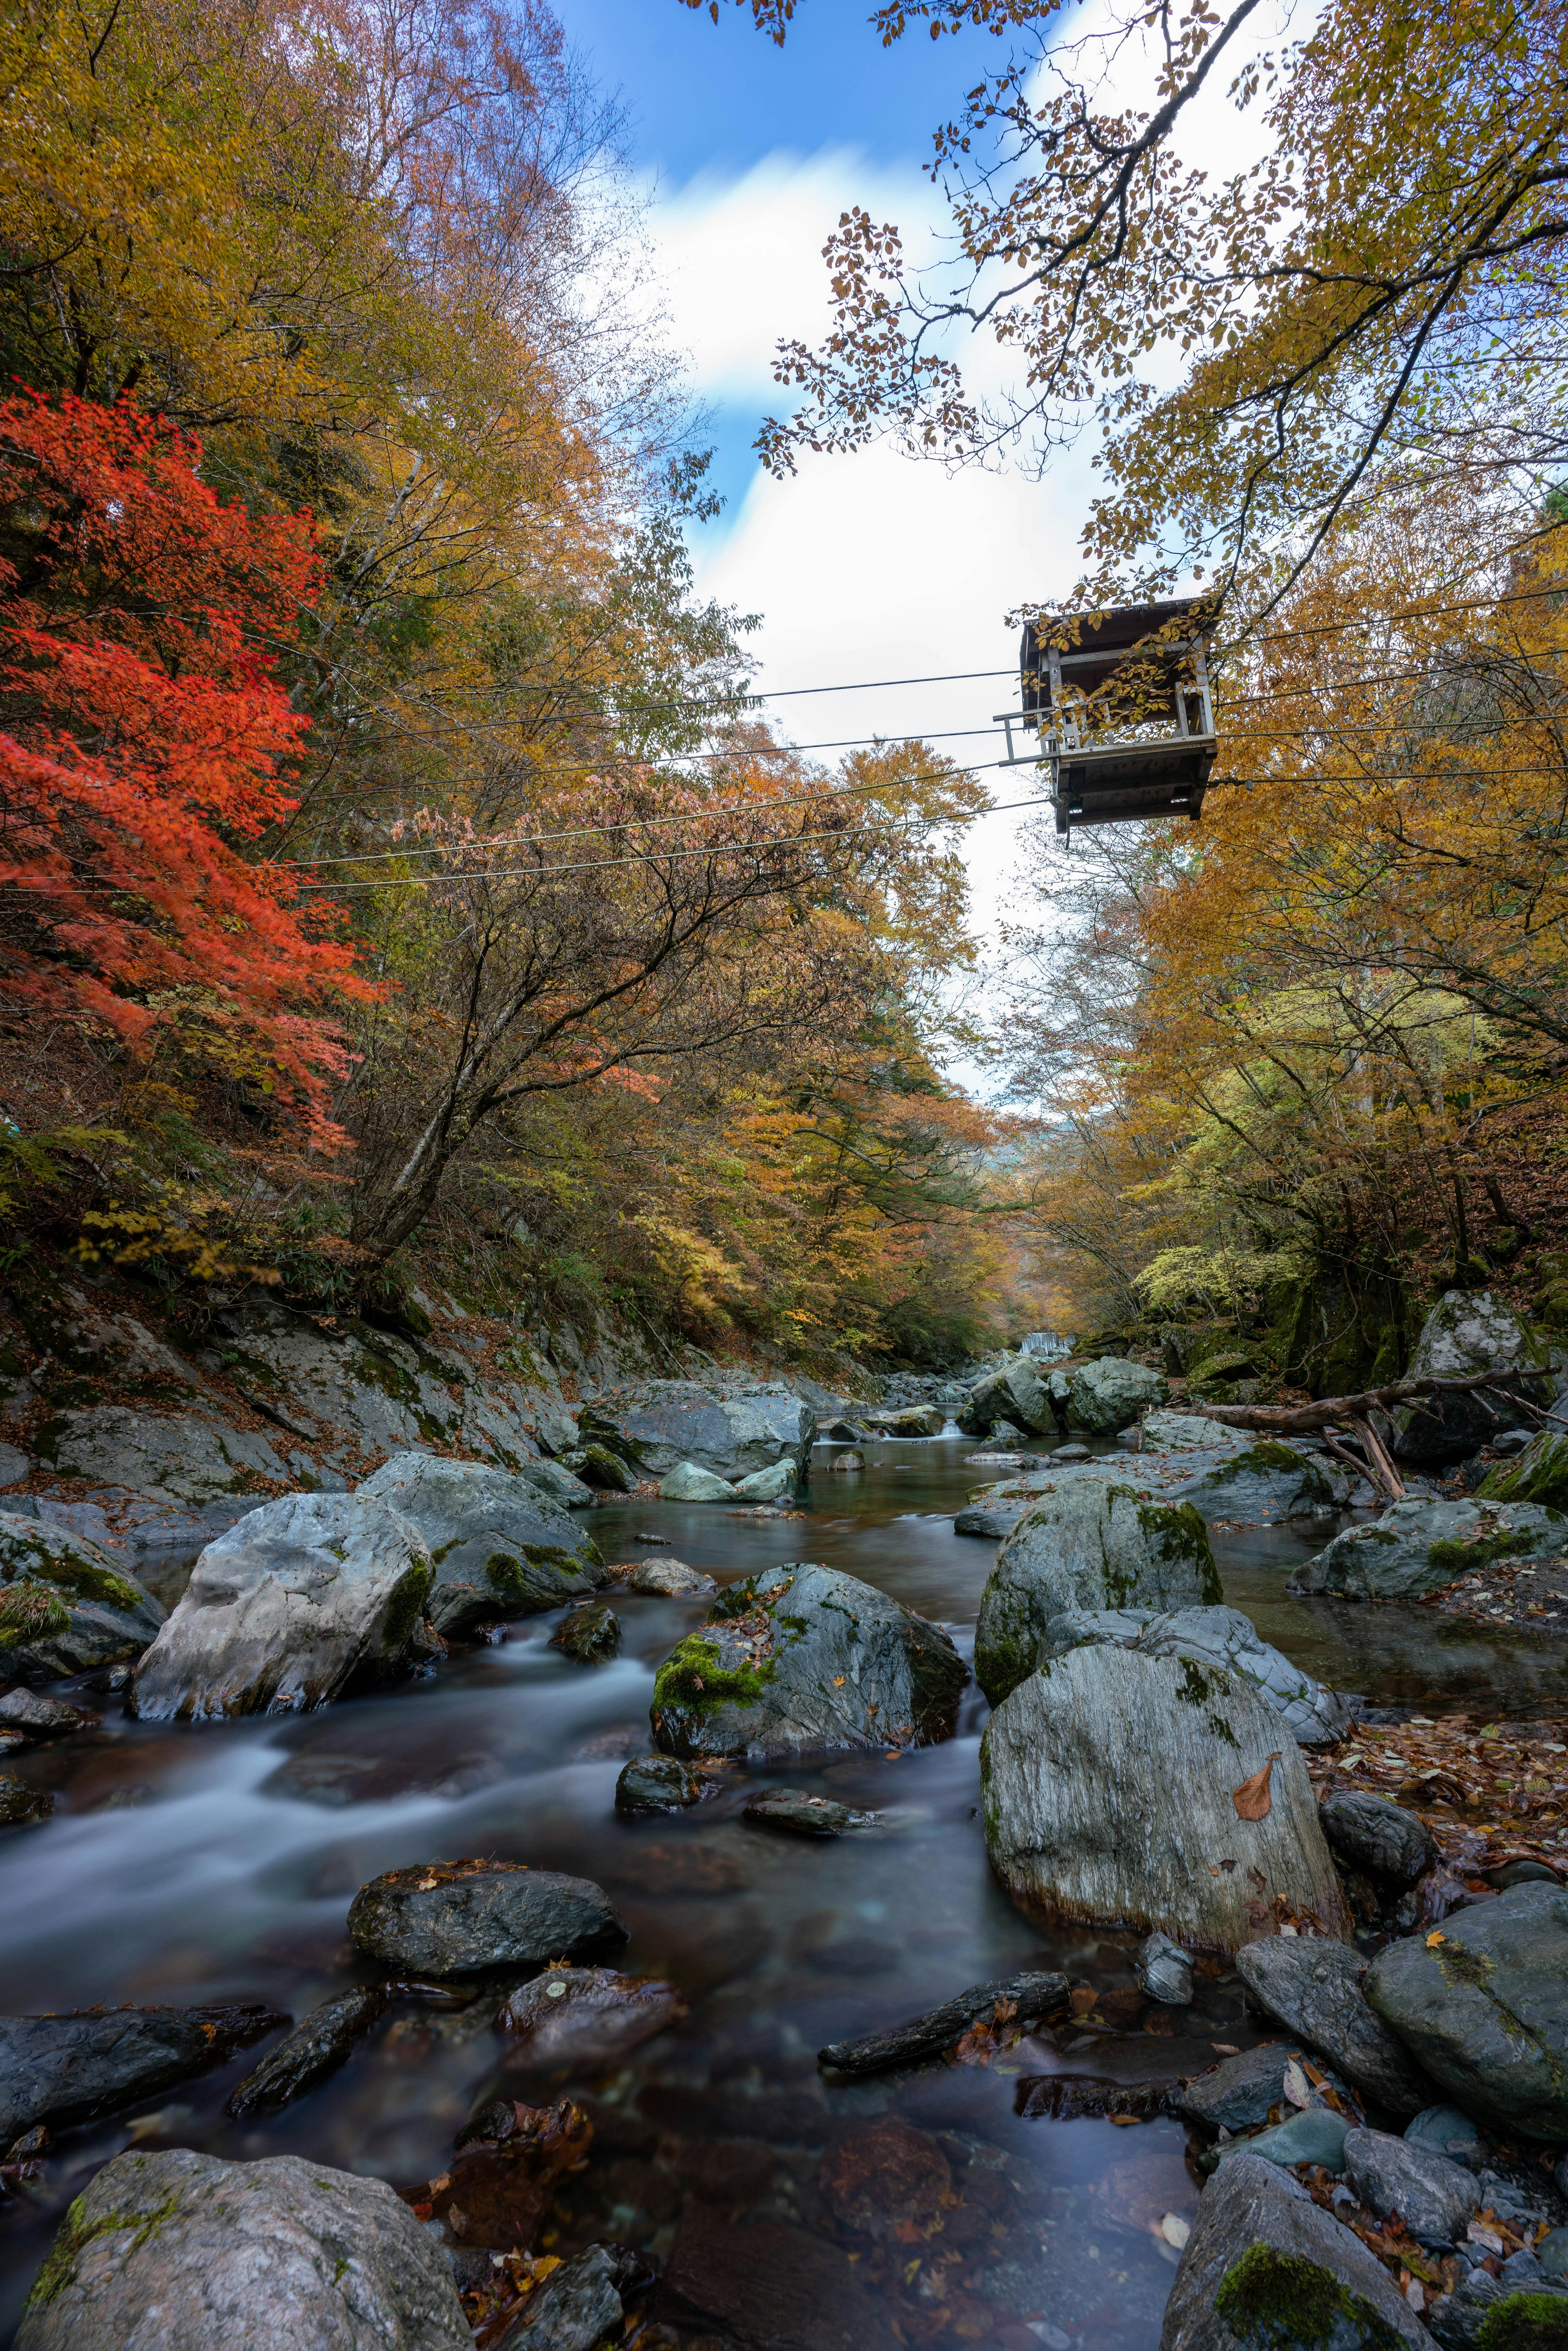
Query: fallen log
[
  {"x": 1320, "y": 1417},
  {"x": 1019, "y": 2000},
  {"x": 1073, "y": 2097}
]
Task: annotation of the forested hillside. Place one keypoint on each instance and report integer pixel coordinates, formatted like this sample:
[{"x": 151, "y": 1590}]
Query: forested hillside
[{"x": 398, "y": 880}]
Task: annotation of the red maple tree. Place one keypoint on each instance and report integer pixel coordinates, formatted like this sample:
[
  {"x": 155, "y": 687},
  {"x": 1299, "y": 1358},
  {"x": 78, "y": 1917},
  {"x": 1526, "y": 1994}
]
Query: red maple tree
[{"x": 143, "y": 739}]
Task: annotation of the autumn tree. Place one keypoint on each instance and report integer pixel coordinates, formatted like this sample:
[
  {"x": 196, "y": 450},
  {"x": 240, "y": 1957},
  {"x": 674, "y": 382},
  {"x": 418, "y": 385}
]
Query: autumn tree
[
  {"x": 1381, "y": 289},
  {"x": 145, "y": 741}
]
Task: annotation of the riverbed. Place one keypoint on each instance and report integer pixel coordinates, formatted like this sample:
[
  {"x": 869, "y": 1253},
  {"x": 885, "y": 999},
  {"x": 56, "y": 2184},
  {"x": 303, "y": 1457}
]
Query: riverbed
[{"x": 216, "y": 1864}]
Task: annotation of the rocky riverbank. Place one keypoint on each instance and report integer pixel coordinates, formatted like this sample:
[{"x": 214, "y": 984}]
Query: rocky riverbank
[{"x": 1301, "y": 1957}]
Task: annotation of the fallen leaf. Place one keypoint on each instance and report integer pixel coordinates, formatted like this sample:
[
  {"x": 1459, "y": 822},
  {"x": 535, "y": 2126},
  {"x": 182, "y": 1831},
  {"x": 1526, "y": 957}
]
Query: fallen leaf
[
  {"x": 1176, "y": 2231},
  {"x": 1434, "y": 1938},
  {"x": 1252, "y": 1800},
  {"x": 838, "y": 1681},
  {"x": 1297, "y": 2088}
]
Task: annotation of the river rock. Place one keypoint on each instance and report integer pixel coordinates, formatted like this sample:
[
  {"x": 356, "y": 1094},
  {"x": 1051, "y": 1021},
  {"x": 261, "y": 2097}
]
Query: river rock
[
  {"x": 1312, "y": 1713},
  {"x": 64, "y": 2068},
  {"x": 21, "y": 1802},
  {"x": 556, "y": 1484},
  {"x": 670, "y": 1579},
  {"x": 597, "y": 1466},
  {"x": 766, "y": 2285},
  {"x": 591, "y": 1635},
  {"x": 774, "y": 1485},
  {"x": 577, "y": 2306},
  {"x": 179, "y": 2252},
  {"x": 1090, "y": 1546},
  {"x": 445, "y": 1918},
  {"x": 662, "y": 1783},
  {"x": 1484, "y": 2008},
  {"x": 803, "y": 1815},
  {"x": 1312, "y": 2135},
  {"x": 1538, "y": 1474},
  {"x": 991, "y": 1521},
  {"x": 1016, "y": 1392},
  {"x": 674, "y": 1421},
  {"x": 689, "y": 1483},
  {"x": 306, "y": 2055},
  {"x": 1154, "y": 1841},
  {"x": 1264, "y": 2263},
  {"x": 1378, "y": 1836},
  {"x": 1109, "y": 1395},
  {"x": 65, "y": 1606},
  {"x": 1447, "y": 2131},
  {"x": 1467, "y": 1331},
  {"x": 302, "y": 1598},
  {"x": 1436, "y": 2199},
  {"x": 500, "y": 1545},
  {"x": 1174, "y": 1431},
  {"x": 1271, "y": 1479},
  {"x": 1317, "y": 1989},
  {"x": 1240, "y": 2091},
  {"x": 574, "y": 2015},
  {"x": 34, "y": 1717},
  {"x": 1164, "y": 1970},
  {"x": 1423, "y": 1544},
  {"x": 803, "y": 1657},
  {"x": 852, "y": 1460},
  {"x": 909, "y": 1420}
]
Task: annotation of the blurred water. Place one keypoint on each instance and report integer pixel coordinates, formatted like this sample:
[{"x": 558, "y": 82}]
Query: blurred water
[{"x": 197, "y": 1865}]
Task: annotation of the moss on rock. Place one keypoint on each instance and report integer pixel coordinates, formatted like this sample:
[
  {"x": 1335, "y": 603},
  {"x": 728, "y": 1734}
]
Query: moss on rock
[
  {"x": 1282, "y": 2301},
  {"x": 1526, "y": 2322},
  {"x": 1538, "y": 1474}
]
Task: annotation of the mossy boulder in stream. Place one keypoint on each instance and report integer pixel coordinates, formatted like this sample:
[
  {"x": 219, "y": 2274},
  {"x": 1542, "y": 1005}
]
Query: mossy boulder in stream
[
  {"x": 1090, "y": 1544},
  {"x": 1266, "y": 2269},
  {"x": 1464, "y": 1333},
  {"x": 1109, "y": 1783},
  {"x": 65, "y": 1606},
  {"x": 499, "y": 1545},
  {"x": 1539, "y": 1475},
  {"x": 1424, "y": 1543},
  {"x": 800, "y": 1658},
  {"x": 195, "y": 2254}
]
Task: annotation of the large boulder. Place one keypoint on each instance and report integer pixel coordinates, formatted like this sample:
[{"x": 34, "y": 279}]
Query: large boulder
[
  {"x": 1107, "y": 1397},
  {"x": 1016, "y": 1391},
  {"x": 803, "y": 1657},
  {"x": 1108, "y": 1784},
  {"x": 445, "y": 1918},
  {"x": 670, "y": 1421},
  {"x": 1466, "y": 1332},
  {"x": 907, "y": 1420},
  {"x": 179, "y": 2252},
  {"x": 1318, "y": 1991},
  {"x": 1424, "y": 1543},
  {"x": 1378, "y": 1836},
  {"x": 500, "y": 1545},
  {"x": 1092, "y": 1544},
  {"x": 1314, "y": 1714},
  {"x": 1266, "y": 2266},
  {"x": 1538, "y": 1474},
  {"x": 64, "y": 2068},
  {"x": 65, "y": 1606},
  {"x": 1482, "y": 2003},
  {"x": 1435, "y": 2198},
  {"x": 689, "y": 1483},
  {"x": 302, "y": 1598},
  {"x": 1268, "y": 1479}
]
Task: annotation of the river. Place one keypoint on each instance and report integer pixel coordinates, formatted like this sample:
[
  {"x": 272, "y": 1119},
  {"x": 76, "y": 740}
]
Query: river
[{"x": 217, "y": 1863}]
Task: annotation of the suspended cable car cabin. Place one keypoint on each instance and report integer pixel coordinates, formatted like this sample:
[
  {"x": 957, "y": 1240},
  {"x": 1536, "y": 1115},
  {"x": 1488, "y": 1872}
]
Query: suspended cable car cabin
[{"x": 1123, "y": 708}]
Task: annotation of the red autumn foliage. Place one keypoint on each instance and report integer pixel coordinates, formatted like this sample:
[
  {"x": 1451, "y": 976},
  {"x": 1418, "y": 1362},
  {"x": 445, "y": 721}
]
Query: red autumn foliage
[{"x": 143, "y": 737}]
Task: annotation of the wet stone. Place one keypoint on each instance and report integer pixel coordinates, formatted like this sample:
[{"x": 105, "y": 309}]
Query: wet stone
[
  {"x": 662, "y": 1784},
  {"x": 449, "y": 1918},
  {"x": 590, "y": 1635},
  {"x": 64, "y": 2068},
  {"x": 308, "y": 2055},
  {"x": 20, "y": 1801},
  {"x": 577, "y": 2307},
  {"x": 669, "y": 1579},
  {"x": 42, "y": 1718},
  {"x": 1312, "y": 2135},
  {"x": 574, "y": 2014},
  {"x": 688, "y": 1868},
  {"x": 1378, "y": 1836},
  {"x": 1240, "y": 2091},
  {"x": 1164, "y": 1970},
  {"x": 1315, "y": 1988},
  {"x": 1449, "y": 2132},
  {"x": 804, "y": 1816},
  {"x": 875, "y": 2175}
]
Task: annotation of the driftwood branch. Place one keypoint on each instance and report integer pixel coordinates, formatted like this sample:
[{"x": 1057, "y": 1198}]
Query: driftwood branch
[
  {"x": 1315, "y": 1419},
  {"x": 1020, "y": 1999}
]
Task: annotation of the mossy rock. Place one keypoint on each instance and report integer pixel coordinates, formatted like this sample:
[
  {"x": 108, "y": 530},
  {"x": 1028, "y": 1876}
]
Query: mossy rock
[
  {"x": 1526, "y": 2322},
  {"x": 64, "y": 1606},
  {"x": 20, "y": 1801},
  {"x": 1538, "y": 1474},
  {"x": 1282, "y": 2301}
]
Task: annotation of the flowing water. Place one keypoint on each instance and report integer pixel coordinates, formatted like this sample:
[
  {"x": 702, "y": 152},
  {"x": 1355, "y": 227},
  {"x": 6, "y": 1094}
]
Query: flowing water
[{"x": 215, "y": 1864}]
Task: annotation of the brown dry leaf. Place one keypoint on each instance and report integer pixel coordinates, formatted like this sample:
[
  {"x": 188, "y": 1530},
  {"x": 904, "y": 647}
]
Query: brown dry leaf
[{"x": 1252, "y": 1800}]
